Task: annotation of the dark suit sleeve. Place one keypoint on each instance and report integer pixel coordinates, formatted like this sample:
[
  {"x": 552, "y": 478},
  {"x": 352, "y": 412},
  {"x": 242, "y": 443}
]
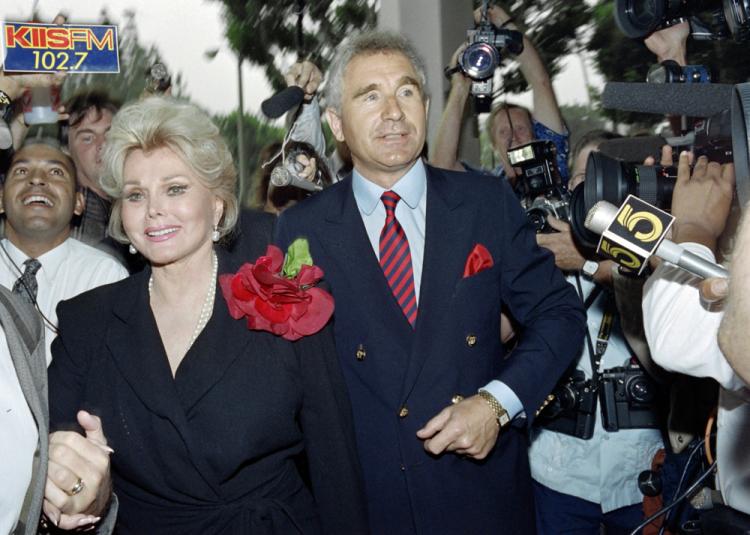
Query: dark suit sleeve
[
  {"x": 69, "y": 368},
  {"x": 546, "y": 306},
  {"x": 328, "y": 430}
]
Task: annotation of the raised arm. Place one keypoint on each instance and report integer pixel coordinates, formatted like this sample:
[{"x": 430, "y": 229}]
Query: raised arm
[
  {"x": 444, "y": 152},
  {"x": 546, "y": 110}
]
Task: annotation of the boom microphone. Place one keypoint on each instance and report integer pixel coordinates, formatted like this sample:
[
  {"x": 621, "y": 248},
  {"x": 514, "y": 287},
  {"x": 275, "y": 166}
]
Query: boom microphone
[
  {"x": 277, "y": 105},
  {"x": 694, "y": 100},
  {"x": 602, "y": 215}
]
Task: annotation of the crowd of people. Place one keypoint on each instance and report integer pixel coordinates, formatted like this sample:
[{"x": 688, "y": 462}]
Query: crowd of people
[{"x": 160, "y": 371}]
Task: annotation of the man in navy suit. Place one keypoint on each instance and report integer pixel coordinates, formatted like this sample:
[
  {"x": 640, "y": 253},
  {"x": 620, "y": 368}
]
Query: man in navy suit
[{"x": 420, "y": 262}]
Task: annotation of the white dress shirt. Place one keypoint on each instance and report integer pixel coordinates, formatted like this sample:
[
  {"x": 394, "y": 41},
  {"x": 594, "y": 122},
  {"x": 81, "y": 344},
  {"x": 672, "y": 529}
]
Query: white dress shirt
[
  {"x": 411, "y": 213},
  {"x": 682, "y": 335},
  {"x": 67, "y": 270},
  {"x": 18, "y": 441}
]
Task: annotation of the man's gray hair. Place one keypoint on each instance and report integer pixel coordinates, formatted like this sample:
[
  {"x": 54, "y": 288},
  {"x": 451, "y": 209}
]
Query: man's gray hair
[{"x": 368, "y": 43}]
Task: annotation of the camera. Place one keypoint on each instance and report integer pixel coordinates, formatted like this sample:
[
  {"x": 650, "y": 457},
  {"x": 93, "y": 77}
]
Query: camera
[
  {"x": 483, "y": 55},
  {"x": 730, "y": 18},
  {"x": 612, "y": 180},
  {"x": 573, "y": 409},
  {"x": 158, "y": 79},
  {"x": 539, "y": 185},
  {"x": 287, "y": 171},
  {"x": 671, "y": 72},
  {"x": 629, "y": 399}
]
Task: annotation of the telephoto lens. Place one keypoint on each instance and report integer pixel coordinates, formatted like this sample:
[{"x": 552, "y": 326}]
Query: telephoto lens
[{"x": 612, "y": 180}]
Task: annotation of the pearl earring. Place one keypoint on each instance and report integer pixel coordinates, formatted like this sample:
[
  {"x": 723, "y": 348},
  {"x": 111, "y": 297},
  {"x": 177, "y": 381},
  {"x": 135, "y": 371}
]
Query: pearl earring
[
  {"x": 215, "y": 234},
  {"x": 132, "y": 249}
]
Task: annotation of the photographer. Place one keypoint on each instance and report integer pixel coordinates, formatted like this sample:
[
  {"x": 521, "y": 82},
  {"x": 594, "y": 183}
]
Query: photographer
[
  {"x": 682, "y": 330},
  {"x": 596, "y": 484},
  {"x": 508, "y": 125}
]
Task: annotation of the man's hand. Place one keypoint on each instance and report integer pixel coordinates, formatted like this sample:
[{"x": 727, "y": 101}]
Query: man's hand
[
  {"x": 669, "y": 43},
  {"x": 306, "y": 75},
  {"x": 496, "y": 15},
  {"x": 701, "y": 202},
  {"x": 467, "y": 428},
  {"x": 567, "y": 255},
  {"x": 459, "y": 81},
  {"x": 78, "y": 480}
]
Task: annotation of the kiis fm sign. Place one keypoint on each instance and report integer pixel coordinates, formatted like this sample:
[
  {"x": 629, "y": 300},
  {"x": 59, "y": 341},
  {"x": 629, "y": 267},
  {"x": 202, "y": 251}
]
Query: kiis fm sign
[
  {"x": 31, "y": 47},
  {"x": 634, "y": 234}
]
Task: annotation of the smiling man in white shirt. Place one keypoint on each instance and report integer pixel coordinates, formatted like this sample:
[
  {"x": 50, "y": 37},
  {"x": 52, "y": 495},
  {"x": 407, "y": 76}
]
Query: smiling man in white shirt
[{"x": 39, "y": 260}]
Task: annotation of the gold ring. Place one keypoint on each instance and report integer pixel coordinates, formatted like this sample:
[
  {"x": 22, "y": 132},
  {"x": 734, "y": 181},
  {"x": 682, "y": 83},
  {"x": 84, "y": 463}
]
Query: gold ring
[{"x": 78, "y": 487}]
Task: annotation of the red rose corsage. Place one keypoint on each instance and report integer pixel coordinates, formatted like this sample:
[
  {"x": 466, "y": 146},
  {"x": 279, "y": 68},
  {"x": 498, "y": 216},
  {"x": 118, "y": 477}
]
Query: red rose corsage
[{"x": 278, "y": 294}]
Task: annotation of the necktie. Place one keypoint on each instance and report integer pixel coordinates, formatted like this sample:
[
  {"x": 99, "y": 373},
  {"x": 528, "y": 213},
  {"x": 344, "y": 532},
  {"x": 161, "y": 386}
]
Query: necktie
[
  {"x": 395, "y": 259},
  {"x": 26, "y": 285}
]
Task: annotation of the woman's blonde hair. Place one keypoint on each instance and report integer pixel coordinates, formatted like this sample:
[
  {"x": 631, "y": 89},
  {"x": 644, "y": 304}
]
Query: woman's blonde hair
[{"x": 159, "y": 122}]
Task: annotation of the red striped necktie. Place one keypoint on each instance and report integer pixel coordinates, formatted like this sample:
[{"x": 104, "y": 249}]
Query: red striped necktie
[{"x": 395, "y": 259}]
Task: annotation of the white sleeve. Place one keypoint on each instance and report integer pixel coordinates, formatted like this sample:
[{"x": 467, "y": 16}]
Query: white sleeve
[
  {"x": 308, "y": 127},
  {"x": 681, "y": 331}
]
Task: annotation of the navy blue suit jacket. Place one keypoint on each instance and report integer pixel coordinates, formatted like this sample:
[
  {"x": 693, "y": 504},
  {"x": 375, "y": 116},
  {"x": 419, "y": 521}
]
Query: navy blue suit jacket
[{"x": 454, "y": 349}]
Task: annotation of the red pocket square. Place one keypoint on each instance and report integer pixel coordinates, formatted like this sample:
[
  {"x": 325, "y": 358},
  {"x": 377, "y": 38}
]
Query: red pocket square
[{"x": 479, "y": 259}]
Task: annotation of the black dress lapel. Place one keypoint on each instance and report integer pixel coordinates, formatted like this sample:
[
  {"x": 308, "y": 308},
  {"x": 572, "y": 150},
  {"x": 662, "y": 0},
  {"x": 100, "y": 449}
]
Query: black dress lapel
[
  {"x": 138, "y": 352},
  {"x": 212, "y": 354}
]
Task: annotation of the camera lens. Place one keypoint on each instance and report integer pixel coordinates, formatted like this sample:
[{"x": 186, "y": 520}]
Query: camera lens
[
  {"x": 568, "y": 396},
  {"x": 583, "y": 236},
  {"x": 639, "y": 390},
  {"x": 479, "y": 61},
  {"x": 637, "y": 18},
  {"x": 612, "y": 180},
  {"x": 538, "y": 219}
]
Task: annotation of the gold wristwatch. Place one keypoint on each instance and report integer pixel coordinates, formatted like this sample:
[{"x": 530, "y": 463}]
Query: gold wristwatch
[{"x": 501, "y": 414}]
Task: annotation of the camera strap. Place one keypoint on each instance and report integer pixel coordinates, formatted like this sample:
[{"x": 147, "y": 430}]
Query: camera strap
[{"x": 605, "y": 329}]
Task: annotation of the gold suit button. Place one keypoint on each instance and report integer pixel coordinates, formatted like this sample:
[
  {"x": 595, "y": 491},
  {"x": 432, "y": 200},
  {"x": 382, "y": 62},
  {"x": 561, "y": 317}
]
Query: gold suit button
[
  {"x": 361, "y": 353},
  {"x": 403, "y": 413},
  {"x": 458, "y": 398},
  {"x": 471, "y": 340}
]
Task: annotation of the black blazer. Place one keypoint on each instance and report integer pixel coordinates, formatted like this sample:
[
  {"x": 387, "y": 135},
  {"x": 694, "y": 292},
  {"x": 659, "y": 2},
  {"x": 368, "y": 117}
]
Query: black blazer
[
  {"x": 398, "y": 377},
  {"x": 217, "y": 449}
]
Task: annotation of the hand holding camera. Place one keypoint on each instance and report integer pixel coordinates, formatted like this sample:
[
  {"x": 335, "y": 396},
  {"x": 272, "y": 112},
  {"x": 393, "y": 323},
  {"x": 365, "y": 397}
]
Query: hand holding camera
[
  {"x": 701, "y": 201},
  {"x": 483, "y": 54}
]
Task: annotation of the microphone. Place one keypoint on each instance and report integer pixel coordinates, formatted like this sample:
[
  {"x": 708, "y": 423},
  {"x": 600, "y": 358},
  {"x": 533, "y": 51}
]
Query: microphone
[
  {"x": 277, "y": 105},
  {"x": 281, "y": 177},
  {"x": 602, "y": 215},
  {"x": 694, "y": 100}
]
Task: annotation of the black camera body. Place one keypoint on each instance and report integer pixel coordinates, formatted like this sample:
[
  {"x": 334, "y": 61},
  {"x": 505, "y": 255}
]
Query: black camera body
[
  {"x": 483, "y": 55},
  {"x": 573, "y": 409},
  {"x": 158, "y": 79},
  {"x": 731, "y": 18},
  {"x": 671, "y": 72},
  {"x": 539, "y": 184},
  {"x": 629, "y": 399}
]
